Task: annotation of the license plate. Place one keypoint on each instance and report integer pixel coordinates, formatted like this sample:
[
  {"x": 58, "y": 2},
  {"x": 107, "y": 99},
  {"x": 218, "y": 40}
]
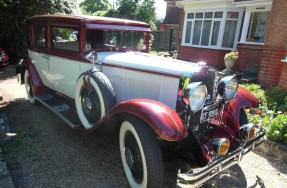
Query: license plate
[{"x": 208, "y": 112}]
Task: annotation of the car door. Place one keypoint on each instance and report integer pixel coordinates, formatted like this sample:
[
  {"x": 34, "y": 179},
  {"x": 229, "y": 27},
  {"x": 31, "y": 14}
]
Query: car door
[
  {"x": 65, "y": 59},
  {"x": 39, "y": 54}
]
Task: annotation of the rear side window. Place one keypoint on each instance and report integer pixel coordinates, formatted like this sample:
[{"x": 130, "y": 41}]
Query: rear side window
[
  {"x": 40, "y": 35},
  {"x": 65, "y": 38}
]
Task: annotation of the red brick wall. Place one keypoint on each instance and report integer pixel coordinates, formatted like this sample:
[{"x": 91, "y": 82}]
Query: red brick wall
[
  {"x": 272, "y": 70},
  {"x": 283, "y": 79},
  {"x": 249, "y": 54},
  {"x": 271, "y": 66},
  {"x": 212, "y": 57}
]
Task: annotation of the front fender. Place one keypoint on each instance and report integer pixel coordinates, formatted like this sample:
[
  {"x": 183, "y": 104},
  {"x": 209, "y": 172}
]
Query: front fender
[
  {"x": 164, "y": 120},
  {"x": 243, "y": 98}
]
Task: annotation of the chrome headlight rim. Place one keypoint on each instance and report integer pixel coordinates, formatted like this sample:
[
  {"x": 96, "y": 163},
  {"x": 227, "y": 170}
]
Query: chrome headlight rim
[
  {"x": 227, "y": 87},
  {"x": 191, "y": 90}
]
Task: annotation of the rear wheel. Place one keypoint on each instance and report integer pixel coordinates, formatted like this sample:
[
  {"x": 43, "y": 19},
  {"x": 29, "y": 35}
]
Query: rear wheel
[
  {"x": 141, "y": 154},
  {"x": 29, "y": 88}
]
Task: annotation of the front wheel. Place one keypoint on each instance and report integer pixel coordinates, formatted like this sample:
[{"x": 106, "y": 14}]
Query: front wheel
[{"x": 141, "y": 154}]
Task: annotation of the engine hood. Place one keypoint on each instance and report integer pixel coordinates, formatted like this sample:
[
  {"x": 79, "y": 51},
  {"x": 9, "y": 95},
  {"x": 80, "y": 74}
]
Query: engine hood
[{"x": 148, "y": 62}]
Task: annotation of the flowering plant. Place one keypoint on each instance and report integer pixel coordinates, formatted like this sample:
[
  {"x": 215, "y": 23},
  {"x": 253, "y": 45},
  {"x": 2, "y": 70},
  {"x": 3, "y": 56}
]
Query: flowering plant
[{"x": 232, "y": 55}]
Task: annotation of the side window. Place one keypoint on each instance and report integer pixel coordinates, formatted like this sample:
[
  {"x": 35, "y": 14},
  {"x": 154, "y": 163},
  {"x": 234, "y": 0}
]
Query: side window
[
  {"x": 94, "y": 39},
  {"x": 40, "y": 35},
  {"x": 66, "y": 38}
]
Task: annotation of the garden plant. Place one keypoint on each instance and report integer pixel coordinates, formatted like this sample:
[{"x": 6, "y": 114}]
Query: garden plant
[{"x": 272, "y": 111}]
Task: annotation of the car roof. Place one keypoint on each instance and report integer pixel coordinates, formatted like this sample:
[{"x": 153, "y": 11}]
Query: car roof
[{"x": 88, "y": 19}]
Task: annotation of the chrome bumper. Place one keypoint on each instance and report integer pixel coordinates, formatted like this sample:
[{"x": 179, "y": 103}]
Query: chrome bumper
[{"x": 195, "y": 179}]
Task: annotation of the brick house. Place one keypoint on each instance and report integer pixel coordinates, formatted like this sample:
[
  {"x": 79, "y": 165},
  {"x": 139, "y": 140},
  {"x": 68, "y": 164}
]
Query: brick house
[{"x": 208, "y": 29}]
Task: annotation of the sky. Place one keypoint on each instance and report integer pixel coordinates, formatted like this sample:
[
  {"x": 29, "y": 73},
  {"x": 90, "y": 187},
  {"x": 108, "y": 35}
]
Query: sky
[{"x": 160, "y": 8}]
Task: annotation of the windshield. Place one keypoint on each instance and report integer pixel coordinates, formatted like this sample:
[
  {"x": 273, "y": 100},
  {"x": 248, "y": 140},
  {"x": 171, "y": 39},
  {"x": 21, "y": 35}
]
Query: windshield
[{"x": 117, "y": 40}]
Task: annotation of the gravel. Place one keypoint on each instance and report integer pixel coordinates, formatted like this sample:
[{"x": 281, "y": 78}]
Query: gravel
[{"x": 47, "y": 153}]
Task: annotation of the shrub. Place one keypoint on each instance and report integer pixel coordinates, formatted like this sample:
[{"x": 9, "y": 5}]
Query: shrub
[
  {"x": 283, "y": 107},
  {"x": 275, "y": 97},
  {"x": 277, "y": 129}
]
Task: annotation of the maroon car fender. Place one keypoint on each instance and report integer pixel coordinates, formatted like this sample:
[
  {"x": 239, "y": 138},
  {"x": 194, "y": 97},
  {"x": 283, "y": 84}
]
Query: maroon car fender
[
  {"x": 38, "y": 86},
  {"x": 164, "y": 120},
  {"x": 243, "y": 98}
]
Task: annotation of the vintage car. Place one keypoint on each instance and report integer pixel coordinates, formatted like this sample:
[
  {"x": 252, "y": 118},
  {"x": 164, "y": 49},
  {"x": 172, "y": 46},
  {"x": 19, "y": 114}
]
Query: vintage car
[
  {"x": 3, "y": 58},
  {"x": 95, "y": 73}
]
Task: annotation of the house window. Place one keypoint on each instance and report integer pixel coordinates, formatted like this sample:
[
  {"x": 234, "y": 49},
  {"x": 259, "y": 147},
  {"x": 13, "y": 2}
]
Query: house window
[
  {"x": 206, "y": 29},
  {"x": 257, "y": 27}
]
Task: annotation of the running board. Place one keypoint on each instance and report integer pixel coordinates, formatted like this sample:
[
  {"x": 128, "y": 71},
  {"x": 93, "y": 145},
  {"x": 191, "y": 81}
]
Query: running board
[{"x": 62, "y": 110}]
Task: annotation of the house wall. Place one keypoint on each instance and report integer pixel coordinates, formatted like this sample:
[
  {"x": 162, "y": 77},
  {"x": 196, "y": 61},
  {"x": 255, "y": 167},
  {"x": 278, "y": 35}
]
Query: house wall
[
  {"x": 212, "y": 57},
  {"x": 283, "y": 78},
  {"x": 272, "y": 70},
  {"x": 249, "y": 56}
]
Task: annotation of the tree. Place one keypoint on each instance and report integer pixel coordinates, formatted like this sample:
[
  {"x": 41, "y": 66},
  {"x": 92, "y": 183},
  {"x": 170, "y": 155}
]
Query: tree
[
  {"x": 13, "y": 17},
  {"x": 93, "y": 6},
  {"x": 141, "y": 10}
]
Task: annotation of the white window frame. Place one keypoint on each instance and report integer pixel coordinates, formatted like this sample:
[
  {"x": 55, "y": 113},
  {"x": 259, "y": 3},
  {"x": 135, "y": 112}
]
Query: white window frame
[
  {"x": 221, "y": 29},
  {"x": 246, "y": 22}
]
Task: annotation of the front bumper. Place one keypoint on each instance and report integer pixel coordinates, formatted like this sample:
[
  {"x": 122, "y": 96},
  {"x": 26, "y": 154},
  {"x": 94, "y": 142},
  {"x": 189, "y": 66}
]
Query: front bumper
[{"x": 195, "y": 179}]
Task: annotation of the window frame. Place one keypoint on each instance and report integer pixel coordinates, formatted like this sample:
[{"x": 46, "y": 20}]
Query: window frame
[
  {"x": 222, "y": 21},
  {"x": 64, "y": 26},
  {"x": 247, "y": 19}
]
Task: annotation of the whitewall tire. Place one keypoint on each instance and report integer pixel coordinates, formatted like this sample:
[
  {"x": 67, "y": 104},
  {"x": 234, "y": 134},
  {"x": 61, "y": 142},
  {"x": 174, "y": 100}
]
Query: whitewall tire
[
  {"x": 29, "y": 88},
  {"x": 141, "y": 155},
  {"x": 94, "y": 96}
]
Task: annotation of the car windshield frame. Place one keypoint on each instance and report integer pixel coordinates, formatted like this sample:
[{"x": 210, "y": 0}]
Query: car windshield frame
[{"x": 116, "y": 38}]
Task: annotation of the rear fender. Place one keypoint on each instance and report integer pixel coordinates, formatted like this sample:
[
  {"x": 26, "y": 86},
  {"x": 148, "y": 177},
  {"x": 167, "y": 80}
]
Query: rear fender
[
  {"x": 164, "y": 120},
  {"x": 243, "y": 98},
  {"x": 38, "y": 86}
]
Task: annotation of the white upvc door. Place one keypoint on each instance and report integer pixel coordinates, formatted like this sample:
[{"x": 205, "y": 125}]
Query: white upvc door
[{"x": 41, "y": 62}]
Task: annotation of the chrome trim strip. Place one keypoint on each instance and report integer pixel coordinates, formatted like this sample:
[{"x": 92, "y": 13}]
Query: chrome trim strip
[{"x": 221, "y": 164}]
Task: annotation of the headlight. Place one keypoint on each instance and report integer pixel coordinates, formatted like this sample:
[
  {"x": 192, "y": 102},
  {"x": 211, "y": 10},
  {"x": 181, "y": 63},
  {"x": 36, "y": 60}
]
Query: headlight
[
  {"x": 247, "y": 131},
  {"x": 227, "y": 87},
  {"x": 221, "y": 146},
  {"x": 196, "y": 93}
]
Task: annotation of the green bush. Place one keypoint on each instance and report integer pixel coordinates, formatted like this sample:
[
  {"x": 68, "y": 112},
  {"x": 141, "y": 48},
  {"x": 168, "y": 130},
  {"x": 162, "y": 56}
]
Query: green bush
[
  {"x": 257, "y": 91},
  {"x": 277, "y": 129},
  {"x": 275, "y": 97},
  {"x": 283, "y": 107}
]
